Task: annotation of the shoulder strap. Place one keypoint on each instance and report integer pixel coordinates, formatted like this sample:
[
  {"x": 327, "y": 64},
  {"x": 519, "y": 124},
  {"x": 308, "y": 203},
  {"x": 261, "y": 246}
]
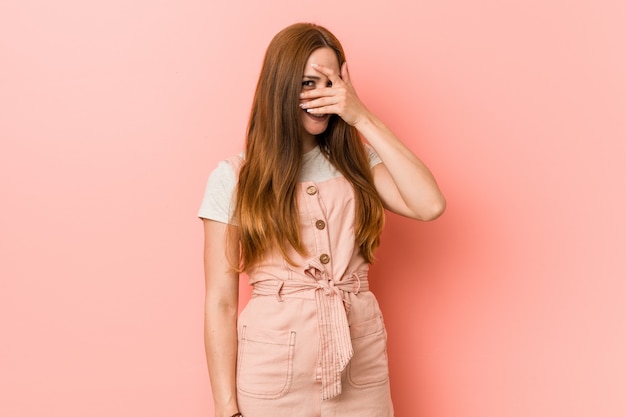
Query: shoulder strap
[{"x": 236, "y": 162}]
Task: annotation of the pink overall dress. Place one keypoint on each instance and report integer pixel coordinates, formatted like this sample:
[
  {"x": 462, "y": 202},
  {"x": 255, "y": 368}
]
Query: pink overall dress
[{"x": 312, "y": 341}]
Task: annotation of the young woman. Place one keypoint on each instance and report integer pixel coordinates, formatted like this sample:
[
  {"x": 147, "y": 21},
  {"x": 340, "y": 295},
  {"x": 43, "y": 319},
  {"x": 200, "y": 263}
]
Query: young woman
[{"x": 301, "y": 212}]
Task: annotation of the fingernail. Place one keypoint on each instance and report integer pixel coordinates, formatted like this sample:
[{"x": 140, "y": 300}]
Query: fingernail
[
  {"x": 314, "y": 65},
  {"x": 302, "y": 105}
]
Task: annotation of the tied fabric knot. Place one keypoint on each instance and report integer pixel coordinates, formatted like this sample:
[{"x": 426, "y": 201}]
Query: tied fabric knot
[
  {"x": 331, "y": 305},
  {"x": 335, "y": 342},
  {"x": 330, "y": 289},
  {"x": 328, "y": 286}
]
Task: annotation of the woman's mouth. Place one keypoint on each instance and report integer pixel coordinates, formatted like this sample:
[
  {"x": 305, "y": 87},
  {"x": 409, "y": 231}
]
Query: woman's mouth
[{"x": 319, "y": 117}]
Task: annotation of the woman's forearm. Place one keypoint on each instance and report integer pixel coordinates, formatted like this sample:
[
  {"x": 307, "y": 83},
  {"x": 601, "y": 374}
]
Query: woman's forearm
[
  {"x": 220, "y": 341},
  {"x": 220, "y": 316},
  {"x": 415, "y": 184}
]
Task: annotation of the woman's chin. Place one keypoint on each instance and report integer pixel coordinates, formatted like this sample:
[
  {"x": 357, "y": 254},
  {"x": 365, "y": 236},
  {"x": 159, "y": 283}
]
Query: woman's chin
[{"x": 315, "y": 125}]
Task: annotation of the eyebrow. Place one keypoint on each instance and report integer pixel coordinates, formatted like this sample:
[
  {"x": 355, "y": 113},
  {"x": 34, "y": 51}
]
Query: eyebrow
[{"x": 313, "y": 77}]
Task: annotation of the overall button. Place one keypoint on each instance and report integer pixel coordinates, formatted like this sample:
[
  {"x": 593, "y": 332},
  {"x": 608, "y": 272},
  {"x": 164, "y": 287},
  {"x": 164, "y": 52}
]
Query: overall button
[
  {"x": 320, "y": 224},
  {"x": 311, "y": 190},
  {"x": 324, "y": 258}
]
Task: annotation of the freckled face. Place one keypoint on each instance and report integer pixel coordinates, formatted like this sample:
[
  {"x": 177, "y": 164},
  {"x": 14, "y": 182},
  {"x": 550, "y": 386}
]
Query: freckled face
[{"x": 311, "y": 80}]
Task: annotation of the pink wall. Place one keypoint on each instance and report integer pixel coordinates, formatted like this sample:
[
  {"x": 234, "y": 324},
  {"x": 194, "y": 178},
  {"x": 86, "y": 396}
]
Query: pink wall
[{"x": 113, "y": 113}]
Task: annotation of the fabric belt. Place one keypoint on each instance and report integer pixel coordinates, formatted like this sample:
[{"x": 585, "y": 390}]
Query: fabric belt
[{"x": 330, "y": 297}]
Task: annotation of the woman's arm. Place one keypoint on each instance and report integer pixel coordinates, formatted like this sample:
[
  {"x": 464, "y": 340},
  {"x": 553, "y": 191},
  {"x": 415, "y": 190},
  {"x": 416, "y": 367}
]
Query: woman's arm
[
  {"x": 220, "y": 316},
  {"x": 403, "y": 182}
]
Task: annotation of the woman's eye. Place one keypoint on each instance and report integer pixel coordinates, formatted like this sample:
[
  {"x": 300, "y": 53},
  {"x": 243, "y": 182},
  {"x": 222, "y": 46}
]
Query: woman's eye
[
  {"x": 329, "y": 83},
  {"x": 308, "y": 83}
]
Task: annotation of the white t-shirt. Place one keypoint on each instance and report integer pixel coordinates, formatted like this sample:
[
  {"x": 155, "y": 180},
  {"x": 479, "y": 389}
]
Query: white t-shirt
[{"x": 217, "y": 203}]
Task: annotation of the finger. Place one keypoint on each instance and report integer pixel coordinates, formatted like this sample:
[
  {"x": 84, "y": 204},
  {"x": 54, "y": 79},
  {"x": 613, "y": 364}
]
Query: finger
[
  {"x": 320, "y": 102},
  {"x": 328, "y": 72},
  {"x": 317, "y": 93},
  {"x": 323, "y": 110},
  {"x": 345, "y": 74}
]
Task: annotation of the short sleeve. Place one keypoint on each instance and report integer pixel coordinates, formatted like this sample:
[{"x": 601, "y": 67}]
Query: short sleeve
[
  {"x": 217, "y": 203},
  {"x": 372, "y": 156}
]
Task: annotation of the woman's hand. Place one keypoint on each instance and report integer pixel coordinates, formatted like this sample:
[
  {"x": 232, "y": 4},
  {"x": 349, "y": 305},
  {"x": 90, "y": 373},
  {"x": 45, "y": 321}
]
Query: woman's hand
[
  {"x": 404, "y": 183},
  {"x": 339, "y": 99}
]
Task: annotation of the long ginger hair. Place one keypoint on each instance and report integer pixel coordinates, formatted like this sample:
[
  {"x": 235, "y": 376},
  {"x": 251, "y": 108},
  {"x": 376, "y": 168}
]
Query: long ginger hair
[{"x": 265, "y": 205}]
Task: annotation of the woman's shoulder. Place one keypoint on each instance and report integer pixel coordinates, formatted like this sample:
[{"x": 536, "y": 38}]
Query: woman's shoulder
[
  {"x": 219, "y": 190},
  {"x": 224, "y": 174},
  {"x": 228, "y": 167},
  {"x": 236, "y": 161}
]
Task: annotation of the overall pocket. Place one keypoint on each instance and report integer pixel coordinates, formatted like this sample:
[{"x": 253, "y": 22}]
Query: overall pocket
[
  {"x": 368, "y": 366},
  {"x": 265, "y": 362}
]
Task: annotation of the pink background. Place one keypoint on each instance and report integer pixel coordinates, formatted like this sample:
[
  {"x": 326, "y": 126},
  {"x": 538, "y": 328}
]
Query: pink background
[{"x": 112, "y": 114}]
